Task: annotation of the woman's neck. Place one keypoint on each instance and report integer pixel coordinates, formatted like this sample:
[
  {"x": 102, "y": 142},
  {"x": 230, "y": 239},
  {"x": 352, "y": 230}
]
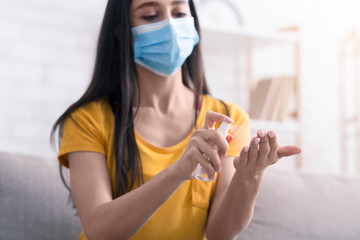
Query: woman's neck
[
  {"x": 162, "y": 94},
  {"x": 165, "y": 114}
]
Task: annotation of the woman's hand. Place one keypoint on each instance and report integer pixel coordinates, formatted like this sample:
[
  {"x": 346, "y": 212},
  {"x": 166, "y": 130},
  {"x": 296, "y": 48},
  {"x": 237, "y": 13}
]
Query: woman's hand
[
  {"x": 263, "y": 152},
  {"x": 206, "y": 146}
]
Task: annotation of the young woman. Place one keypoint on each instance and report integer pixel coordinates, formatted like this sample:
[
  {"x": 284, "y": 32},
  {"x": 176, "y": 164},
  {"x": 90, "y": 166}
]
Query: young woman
[{"x": 134, "y": 139}]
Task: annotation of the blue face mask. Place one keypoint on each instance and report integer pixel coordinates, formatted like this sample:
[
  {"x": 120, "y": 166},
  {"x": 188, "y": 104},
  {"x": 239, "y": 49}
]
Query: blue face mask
[{"x": 164, "y": 46}]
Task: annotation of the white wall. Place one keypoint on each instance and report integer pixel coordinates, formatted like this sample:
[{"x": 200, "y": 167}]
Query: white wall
[
  {"x": 47, "y": 53},
  {"x": 46, "y": 58},
  {"x": 324, "y": 24}
]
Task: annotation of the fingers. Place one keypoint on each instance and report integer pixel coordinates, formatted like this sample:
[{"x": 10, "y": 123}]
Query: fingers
[
  {"x": 263, "y": 151},
  {"x": 243, "y": 158},
  {"x": 213, "y": 117},
  {"x": 253, "y": 151},
  {"x": 287, "y": 151},
  {"x": 264, "y": 147},
  {"x": 273, "y": 157},
  {"x": 204, "y": 162},
  {"x": 213, "y": 137},
  {"x": 210, "y": 152}
]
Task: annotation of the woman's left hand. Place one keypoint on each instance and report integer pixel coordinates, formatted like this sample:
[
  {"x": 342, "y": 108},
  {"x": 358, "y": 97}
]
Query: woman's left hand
[{"x": 263, "y": 152}]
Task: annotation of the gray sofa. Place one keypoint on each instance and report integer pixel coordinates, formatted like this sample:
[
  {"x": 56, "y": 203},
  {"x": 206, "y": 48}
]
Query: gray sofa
[
  {"x": 34, "y": 204},
  {"x": 33, "y": 201},
  {"x": 306, "y": 207}
]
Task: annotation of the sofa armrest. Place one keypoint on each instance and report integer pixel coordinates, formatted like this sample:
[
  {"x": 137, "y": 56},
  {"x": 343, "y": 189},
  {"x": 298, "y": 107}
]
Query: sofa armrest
[{"x": 33, "y": 201}]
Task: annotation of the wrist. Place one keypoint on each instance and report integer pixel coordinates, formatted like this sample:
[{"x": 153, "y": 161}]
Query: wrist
[
  {"x": 176, "y": 173},
  {"x": 248, "y": 180}
]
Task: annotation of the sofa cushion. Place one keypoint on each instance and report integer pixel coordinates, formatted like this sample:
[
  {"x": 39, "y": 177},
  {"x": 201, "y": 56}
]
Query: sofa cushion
[
  {"x": 295, "y": 206},
  {"x": 33, "y": 201}
]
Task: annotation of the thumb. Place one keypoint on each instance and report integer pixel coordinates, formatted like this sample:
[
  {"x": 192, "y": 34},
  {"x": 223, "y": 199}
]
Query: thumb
[{"x": 287, "y": 151}]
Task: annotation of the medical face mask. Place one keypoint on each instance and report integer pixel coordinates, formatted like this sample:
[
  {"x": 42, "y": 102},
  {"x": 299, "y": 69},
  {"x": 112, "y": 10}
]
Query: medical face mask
[{"x": 164, "y": 46}]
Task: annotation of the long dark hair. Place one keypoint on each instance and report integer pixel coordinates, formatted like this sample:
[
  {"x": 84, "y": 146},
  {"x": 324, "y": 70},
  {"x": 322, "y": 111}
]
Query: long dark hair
[{"x": 114, "y": 79}]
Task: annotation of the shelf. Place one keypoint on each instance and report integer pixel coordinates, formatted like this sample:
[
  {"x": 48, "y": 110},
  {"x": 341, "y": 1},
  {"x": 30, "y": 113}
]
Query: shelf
[
  {"x": 242, "y": 38},
  {"x": 234, "y": 48}
]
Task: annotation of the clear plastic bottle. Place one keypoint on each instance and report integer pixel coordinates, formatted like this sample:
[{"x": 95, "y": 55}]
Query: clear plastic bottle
[{"x": 200, "y": 172}]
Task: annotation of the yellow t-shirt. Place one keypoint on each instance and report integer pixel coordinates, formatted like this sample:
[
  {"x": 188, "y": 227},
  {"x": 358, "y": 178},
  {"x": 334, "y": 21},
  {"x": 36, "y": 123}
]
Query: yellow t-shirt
[{"x": 184, "y": 214}]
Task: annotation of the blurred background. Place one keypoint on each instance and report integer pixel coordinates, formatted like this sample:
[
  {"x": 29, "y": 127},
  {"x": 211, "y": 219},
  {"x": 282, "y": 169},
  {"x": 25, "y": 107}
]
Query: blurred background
[{"x": 293, "y": 65}]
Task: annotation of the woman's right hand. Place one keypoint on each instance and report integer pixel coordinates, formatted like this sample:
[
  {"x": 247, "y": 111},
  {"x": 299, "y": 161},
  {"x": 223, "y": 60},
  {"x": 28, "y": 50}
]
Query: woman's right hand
[{"x": 206, "y": 146}]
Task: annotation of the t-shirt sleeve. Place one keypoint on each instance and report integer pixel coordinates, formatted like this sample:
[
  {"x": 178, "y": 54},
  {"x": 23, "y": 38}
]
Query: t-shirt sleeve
[
  {"x": 240, "y": 130},
  {"x": 81, "y": 132}
]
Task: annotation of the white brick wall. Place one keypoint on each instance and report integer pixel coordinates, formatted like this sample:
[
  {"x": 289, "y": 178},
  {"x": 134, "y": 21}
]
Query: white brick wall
[{"x": 46, "y": 57}]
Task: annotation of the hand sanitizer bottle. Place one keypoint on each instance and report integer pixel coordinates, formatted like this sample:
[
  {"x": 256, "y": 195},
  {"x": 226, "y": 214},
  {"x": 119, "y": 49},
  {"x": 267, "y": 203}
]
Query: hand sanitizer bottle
[{"x": 200, "y": 172}]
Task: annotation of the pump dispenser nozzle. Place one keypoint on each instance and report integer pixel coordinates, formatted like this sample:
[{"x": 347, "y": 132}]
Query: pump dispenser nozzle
[{"x": 224, "y": 128}]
